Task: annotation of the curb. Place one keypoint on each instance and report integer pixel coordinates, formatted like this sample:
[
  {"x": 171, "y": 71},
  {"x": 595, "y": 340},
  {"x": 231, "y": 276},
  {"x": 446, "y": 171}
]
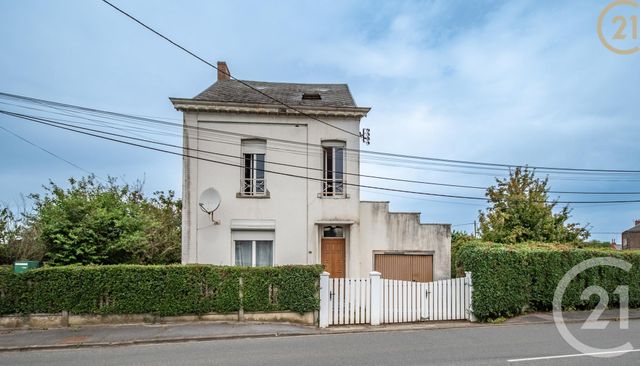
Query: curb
[
  {"x": 609, "y": 318},
  {"x": 146, "y": 341},
  {"x": 334, "y": 331}
]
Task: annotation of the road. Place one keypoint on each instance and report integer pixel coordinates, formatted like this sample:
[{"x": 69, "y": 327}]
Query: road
[{"x": 506, "y": 345}]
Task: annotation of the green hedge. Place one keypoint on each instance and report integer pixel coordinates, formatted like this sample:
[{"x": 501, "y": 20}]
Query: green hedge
[
  {"x": 510, "y": 279},
  {"x": 161, "y": 290}
]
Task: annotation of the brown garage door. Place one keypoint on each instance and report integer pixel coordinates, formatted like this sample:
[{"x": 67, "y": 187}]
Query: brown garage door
[{"x": 406, "y": 267}]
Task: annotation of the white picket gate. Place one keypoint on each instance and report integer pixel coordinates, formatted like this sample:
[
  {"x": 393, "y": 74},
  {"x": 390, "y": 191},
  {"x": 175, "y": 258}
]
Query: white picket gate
[
  {"x": 349, "y": 300},
  {"x": 375, "y": 300}
]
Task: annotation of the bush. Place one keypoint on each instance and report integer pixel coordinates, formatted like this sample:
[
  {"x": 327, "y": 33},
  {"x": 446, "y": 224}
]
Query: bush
[
  {"x": 510, "y": 279},
  {"x": 161, "y": 290},
  {"x": 102, "y": 222}
]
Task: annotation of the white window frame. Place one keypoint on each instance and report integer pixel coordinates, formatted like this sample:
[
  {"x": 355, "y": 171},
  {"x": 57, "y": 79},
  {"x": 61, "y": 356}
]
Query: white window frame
[
  {"x": 333, "y": 182},
  {"x": 253, "y": 237},
  {"x": 251, "y": 149}
]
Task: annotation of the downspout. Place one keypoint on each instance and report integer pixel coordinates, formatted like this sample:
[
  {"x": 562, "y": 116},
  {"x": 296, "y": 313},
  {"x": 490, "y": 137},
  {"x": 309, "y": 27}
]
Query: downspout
[
  {"x": 186, "y": 196},
  {"x": 307, "y": 189},
  {"x": 197, "y": 176}
]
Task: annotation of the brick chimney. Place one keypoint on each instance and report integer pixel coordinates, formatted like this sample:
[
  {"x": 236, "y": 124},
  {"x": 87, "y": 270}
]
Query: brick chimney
[
  {"x": 637, "y": 222},
  {"x": 223, "y": 71}
]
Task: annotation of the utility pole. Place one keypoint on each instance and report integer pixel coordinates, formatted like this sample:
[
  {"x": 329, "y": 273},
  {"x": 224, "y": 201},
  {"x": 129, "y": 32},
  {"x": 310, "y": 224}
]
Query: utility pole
[{"x": 475, "y": 229}]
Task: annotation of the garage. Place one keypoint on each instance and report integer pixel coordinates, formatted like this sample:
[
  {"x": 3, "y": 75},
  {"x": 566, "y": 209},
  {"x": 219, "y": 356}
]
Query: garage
[{"x": 404, "y": 266}]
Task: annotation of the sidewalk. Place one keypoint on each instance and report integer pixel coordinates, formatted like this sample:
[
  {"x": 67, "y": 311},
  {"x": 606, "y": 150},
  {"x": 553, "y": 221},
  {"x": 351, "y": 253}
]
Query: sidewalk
[
  {"x": 132, "y": 334},
  {"x": 570, "y": 316}
]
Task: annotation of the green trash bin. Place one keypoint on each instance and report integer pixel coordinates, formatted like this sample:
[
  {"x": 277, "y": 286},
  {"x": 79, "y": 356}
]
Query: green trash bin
[{"x": 23, "y": 266}]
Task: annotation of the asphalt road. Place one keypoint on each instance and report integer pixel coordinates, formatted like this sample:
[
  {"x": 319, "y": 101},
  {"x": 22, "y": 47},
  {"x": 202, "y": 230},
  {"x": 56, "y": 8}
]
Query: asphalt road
[{"x": 506, "y": 345}]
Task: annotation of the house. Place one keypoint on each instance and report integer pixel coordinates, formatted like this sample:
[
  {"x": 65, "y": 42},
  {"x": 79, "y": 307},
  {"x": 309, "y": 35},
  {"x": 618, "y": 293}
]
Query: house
[
  {"x": 631, "y": 237},
  {"x": 288, "y": 185}
]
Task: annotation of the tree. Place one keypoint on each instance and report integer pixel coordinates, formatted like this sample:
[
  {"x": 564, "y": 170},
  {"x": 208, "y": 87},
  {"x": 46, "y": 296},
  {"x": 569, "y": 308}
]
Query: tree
[
  {"x": 459, "y": 237},
  {"x": 18, "y": 239},
  {"x": 164, "y": 235},
  {"x": 106, "y": 223},
  {"x": 521, "y": 211}
]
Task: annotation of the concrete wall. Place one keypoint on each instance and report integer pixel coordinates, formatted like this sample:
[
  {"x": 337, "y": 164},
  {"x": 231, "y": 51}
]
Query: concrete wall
[
  {"x": 294, "y": 208},
  {"x": 396, "y": 231},
  {"x": 44, "y": 321},
  {"x": 294, "y": 211}
]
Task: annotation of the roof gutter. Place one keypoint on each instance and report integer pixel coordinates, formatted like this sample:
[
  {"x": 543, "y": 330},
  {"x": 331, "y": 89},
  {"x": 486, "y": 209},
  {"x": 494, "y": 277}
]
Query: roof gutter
[{"x": 192, "y": 105}]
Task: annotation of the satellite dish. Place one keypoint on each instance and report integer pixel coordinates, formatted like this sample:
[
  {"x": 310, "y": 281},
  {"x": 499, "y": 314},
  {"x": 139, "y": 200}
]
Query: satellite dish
[{"x": 209, "y": 202}]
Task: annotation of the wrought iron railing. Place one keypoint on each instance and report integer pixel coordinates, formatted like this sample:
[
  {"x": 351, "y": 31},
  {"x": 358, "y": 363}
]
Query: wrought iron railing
[
  {"x": 332, "y": 187},
  {"x": 252, "y": 187}
]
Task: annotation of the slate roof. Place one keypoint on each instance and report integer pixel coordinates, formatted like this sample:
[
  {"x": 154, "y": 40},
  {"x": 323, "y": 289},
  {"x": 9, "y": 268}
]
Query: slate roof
[
  {"x": 232, "y": 91},
  {"x": 635, "y": 229}
]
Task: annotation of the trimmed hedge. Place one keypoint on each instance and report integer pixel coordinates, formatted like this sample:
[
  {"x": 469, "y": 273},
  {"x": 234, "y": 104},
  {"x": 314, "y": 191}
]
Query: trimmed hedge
[
  {"x": 511, "y": 279},
  {"x": 161, "y": 290}
]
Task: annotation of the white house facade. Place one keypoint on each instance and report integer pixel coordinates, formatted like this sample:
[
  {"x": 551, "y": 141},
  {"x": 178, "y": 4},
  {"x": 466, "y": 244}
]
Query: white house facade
[{"x": 289, "y": 185}]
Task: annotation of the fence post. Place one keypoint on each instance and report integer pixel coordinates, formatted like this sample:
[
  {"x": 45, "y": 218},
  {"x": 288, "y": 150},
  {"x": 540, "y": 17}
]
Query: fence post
[
  {"x": 241, "y": 299},
  {"x": 324, "y": 300},
  {"x": 376, "y": 294},
  {"x": 469, "y": 296}
]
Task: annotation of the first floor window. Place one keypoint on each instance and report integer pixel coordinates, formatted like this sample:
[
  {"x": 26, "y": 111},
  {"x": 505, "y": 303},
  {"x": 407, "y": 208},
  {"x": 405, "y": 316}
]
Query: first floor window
[{"x": 254, "y": 253}]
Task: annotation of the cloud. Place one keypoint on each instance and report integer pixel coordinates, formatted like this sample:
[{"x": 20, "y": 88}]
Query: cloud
[
  {"x": 528, "y": 83},
  {"x": 514, "y": 82}
]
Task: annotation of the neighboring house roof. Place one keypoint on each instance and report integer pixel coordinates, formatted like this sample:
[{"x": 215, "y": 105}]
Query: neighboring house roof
[
  {"x": 233, "y": 91},
  {"x": 635, "y": 229}
]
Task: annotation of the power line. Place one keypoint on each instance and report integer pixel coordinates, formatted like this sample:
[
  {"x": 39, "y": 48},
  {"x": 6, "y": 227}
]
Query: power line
[
  {"x": 343, "y": 130},
  {"x": 70, "y": 127},
  {"x": 422, "y": 199},
  {"x": 476, "y": 165},
  {"x": 80, "y": 130},
  {"x": 129, "y": 117},
  {"x": 47, "y": 151},
  {"x": 225, "y": 72}
]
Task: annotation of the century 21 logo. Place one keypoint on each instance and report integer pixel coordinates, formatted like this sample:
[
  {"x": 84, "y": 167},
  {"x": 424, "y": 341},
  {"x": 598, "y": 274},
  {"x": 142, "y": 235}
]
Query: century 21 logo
[{"x": 618, "y": 27}]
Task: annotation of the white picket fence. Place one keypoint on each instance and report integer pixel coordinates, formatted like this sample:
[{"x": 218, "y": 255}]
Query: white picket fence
[{"x": 375, "y": 300}]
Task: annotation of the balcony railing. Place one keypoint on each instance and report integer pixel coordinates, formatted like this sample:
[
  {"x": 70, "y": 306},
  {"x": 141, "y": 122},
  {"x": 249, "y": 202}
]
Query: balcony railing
[
  {"x": 252, "y": 187},
  {"x": 332, "y": 187}
]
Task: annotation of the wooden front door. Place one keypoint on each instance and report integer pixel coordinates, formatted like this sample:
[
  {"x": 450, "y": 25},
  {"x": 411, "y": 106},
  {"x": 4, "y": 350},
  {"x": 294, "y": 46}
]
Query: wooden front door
[{"x": 332, "y": 256}]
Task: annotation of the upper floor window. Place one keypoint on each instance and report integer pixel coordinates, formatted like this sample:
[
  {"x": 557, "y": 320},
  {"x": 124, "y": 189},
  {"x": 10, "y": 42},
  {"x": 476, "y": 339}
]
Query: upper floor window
[
  {"x": 253, "y": 178},
  {"x": 333, "y": 170}
]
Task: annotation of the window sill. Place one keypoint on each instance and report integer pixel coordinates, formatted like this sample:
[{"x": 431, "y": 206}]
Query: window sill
[
  {"x": 335, "y": 197},
  {"x": 261, "y": 196}
]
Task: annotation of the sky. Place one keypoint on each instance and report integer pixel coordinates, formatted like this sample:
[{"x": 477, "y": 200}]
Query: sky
[{"x": 522, "y": 82}]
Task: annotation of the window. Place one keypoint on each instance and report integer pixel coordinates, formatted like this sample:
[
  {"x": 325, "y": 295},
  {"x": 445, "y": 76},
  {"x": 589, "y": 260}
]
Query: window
[
  {"x": 333, "y": 232},
  {"x": 311, "y": 96},
  {"x": 333, "y": 171},
  {"x": 253, "y": 178},
  {"x": 254, "y": 253}
]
